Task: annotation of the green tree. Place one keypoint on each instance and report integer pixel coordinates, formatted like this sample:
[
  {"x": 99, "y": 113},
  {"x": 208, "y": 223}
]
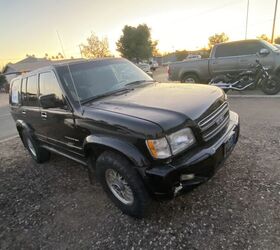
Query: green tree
[
  {"x": 264, "y": 37},
  {"x": 95, "y": 47},
  {"x": 136, "y": 43},
  {"x": 277, "y": 40},
  {"x": 217, "y": 38}
]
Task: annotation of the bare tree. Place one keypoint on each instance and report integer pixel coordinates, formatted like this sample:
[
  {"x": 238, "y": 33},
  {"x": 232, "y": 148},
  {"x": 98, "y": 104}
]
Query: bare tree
[
  {"x": 217, "y": 38},
  {"x": 95, "y": 47},
  {"x": 264, "y": 37}
]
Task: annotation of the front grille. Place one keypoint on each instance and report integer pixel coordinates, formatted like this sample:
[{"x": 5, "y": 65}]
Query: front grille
[{"x": 214, "y": 123}]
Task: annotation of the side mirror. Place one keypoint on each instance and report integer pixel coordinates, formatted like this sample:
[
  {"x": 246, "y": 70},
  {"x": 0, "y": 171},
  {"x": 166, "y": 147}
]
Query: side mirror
[
  {"x": 264, "y": 52},
  {"x": 48, "y": 101}
]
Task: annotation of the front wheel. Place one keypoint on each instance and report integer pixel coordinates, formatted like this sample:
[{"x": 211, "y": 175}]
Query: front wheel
[
  {"x": 271, "y": 86},
  {"x": 122, "y": 184}
]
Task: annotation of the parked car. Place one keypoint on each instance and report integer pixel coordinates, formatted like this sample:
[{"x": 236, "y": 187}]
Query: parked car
[
  {"x": 230, "y": 57},
  {"x": 192, "y": 57},
  {"x": 145, "y": 67},
  {"x": 142, "y": 139},
  {"x": 153, "y": 65}
]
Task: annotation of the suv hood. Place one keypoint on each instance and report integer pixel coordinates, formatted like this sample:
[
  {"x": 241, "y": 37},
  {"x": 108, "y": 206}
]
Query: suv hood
[{"x": 169, "y": 105}]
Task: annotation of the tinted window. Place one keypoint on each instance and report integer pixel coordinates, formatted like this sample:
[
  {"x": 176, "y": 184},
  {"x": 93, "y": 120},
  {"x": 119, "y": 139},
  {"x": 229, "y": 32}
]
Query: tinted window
[
  {"x": 96, "y": 78},
  {"x": 225, "y": 50},
  {"x": 15, "y": 92},
  {"x": 249, "y": 48},
  {"x": 23, "y": 92},
  {"x": 31, "y": 91},
  {"x": 49, "y": 85}
]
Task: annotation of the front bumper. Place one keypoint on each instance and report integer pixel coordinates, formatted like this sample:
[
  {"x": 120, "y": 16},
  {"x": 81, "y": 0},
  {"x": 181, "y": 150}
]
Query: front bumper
[{"x": 167, "y": 180}]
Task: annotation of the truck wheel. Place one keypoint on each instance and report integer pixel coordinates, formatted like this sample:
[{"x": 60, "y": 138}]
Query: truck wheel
[
  {"x": 122, "y": 184},
  {"x": 190, "y": 78},
  {"x": 38, "y": 153}
]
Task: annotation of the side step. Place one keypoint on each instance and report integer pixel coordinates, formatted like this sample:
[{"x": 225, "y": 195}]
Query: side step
[{"x": 83, "y": 162}]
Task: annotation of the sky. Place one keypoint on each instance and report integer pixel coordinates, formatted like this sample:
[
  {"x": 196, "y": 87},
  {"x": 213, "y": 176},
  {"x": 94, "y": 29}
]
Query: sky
[{"x": 31, "y": 26}]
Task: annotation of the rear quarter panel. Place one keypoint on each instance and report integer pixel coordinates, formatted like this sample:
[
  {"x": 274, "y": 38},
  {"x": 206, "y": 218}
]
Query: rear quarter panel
[{"x": 199, "y": 67}]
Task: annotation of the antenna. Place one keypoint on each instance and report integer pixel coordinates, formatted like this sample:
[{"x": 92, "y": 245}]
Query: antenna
[{"x": 70, "y": 73}]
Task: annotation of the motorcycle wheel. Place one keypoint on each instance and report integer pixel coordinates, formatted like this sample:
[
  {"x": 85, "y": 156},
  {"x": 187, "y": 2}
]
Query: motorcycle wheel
[
  {"x": 272, "y": 86},
  {"x": 218, "y": 79}
]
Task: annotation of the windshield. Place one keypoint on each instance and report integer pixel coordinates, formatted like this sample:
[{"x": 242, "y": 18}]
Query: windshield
[
  {"x": 271, "y": 46},
  {"x": 97, "y": 78}
]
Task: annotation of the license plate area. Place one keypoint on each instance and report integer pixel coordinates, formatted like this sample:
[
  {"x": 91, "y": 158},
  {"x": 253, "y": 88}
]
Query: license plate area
[{"x": 228, "y": 145}]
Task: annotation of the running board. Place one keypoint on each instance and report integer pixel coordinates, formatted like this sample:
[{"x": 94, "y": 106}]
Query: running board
[{"x": 65, "y": 155}]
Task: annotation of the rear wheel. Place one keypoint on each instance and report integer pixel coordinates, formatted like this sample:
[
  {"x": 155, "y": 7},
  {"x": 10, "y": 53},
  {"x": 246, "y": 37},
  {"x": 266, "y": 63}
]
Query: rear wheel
[
  {"x": 38, "y": 153},
  {"x": 190, "y": 78},
  {"x": 122, "y": 184},
  {"x": 271, "y": 86}
]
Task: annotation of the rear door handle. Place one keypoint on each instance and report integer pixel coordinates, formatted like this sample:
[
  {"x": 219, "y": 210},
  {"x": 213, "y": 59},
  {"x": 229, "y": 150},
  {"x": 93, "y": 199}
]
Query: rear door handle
[{"x": 44, "y": 115}]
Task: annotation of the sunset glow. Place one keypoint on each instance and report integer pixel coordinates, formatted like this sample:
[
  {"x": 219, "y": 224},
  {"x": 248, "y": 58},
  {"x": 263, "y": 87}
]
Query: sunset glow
[{"x": 29, "y": 27}]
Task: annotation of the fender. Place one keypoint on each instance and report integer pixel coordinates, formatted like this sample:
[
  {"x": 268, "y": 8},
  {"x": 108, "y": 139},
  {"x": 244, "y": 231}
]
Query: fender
[
  {"x": 20, "y": 125},
  {"x": 129, "y": 150}
]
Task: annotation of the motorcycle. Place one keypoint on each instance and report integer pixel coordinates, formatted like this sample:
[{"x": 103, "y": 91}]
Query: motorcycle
[{"x": 249, "y": 79}]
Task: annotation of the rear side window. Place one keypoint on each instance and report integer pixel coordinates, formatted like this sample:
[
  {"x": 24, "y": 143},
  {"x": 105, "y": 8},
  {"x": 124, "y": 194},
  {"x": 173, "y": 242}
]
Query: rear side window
[
  {"x": 49, "y": 86},
  {"x": 32, "y": 91},
  {"x": 15, "y": 92},
  {"x": 225, "y": 50}
]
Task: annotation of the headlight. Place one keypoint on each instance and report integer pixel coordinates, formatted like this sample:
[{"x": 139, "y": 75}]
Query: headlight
[
  {"x": 181, "y": 140},
  {"x": 159, "y": 148},
  {"x": 178, "y": 141}
]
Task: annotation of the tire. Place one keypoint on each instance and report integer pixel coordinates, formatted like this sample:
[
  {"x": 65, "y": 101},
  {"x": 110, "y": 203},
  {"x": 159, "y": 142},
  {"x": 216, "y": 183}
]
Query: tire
[
  {"x": 190, "y": 78},
  {"x": 39, "y": 154},
  {"x": 221, "y": 78},
  {"x": 136, "y": 202},
  {"x": 272, "y": 86}
]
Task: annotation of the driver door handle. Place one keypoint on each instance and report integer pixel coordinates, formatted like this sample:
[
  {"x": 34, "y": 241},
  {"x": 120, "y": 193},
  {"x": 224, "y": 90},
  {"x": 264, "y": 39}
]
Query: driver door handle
[{"x": 44, "y": 115}]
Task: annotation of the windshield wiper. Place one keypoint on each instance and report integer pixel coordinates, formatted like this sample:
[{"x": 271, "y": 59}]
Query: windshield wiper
[
  {"x": 139, "y": 82},
  {"x": 104, "y": 95}
]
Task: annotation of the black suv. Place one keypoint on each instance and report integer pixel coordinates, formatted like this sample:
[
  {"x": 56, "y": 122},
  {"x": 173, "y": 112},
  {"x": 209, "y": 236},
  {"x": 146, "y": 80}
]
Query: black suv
[{"x": 143, "y": 139}]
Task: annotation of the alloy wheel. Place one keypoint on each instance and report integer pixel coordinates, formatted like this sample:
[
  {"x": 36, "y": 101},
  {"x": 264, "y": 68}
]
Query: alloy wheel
[{"x": 119, "y": 186}]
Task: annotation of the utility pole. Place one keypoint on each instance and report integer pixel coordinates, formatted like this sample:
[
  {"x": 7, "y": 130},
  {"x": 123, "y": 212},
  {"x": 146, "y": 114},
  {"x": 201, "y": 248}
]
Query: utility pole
[
  {"x": 247, "y": 16},
  {"x": 274, "y": 20}
]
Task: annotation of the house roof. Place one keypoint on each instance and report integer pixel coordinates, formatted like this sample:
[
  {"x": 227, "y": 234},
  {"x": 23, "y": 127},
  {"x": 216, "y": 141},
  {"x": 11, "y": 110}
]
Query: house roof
[
  {"x": 27, "y": 64},
  {"x": 31, "y": 63}
]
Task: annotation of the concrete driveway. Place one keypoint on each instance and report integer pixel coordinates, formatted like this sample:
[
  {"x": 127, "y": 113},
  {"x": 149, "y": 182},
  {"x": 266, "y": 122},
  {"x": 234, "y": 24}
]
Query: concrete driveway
[{"x": 7, "y": 124}]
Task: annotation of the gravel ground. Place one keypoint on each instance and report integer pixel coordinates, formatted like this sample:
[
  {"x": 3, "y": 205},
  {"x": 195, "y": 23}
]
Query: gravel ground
[{"x": 53, "y": 206}]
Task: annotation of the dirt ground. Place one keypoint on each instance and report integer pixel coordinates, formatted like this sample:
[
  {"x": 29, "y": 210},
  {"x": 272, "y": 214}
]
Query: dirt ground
[{"x": 53, "y": 206}]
